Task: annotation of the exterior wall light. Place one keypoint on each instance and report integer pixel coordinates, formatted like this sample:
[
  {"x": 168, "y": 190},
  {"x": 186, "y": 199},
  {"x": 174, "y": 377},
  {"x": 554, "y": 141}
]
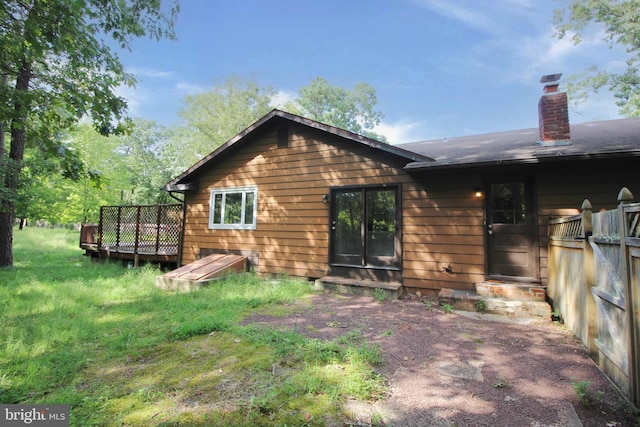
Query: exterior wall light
[
  {"x": 477, "y": 192},
  {"x": 325, "y": 199}
]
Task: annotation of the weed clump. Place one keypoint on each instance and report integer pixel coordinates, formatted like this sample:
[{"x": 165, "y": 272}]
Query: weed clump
[{"x": 585, "y": 393}]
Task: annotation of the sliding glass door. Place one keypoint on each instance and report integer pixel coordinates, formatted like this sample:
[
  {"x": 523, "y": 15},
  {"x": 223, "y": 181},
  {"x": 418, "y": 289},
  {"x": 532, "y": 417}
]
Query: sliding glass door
[{"x": 365, "y": 226}]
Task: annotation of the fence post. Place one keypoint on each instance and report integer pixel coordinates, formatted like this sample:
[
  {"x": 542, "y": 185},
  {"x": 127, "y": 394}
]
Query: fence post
[
  {"x": 625, "y": 196},
  {"x": 589, "y": 281}
]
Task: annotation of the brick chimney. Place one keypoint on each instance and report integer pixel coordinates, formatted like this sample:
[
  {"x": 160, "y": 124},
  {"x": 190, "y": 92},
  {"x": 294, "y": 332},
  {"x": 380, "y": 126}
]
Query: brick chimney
[{"x": 553, "y": 114}]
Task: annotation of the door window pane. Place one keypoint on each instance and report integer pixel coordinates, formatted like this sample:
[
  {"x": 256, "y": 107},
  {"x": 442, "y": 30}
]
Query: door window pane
[
  {"x": 508, "y": 203},
  {"x": 381, "y": 222},
  {"x": 348, "y": 223}
]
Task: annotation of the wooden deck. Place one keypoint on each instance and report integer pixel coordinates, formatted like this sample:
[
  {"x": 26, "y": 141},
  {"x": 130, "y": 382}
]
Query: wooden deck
[
  {"x": 201, "y": 272},
  {"x": 139, "y": 233}
]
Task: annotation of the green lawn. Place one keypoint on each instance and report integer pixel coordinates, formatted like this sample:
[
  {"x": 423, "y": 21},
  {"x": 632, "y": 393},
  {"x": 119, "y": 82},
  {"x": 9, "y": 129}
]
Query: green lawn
[{"x": 104, "y": 340}]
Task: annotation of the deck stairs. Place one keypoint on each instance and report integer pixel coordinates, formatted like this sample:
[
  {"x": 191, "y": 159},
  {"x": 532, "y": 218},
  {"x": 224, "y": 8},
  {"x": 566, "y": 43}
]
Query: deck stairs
[
  {"x": 512, "y": 299},
  {"x": 345, "y": 285},
  {"x": 201, "y": 272}
]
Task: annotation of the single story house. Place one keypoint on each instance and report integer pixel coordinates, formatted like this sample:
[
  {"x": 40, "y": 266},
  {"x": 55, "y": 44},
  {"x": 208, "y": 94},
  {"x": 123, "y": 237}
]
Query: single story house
[{"x": 302, "y": 198}]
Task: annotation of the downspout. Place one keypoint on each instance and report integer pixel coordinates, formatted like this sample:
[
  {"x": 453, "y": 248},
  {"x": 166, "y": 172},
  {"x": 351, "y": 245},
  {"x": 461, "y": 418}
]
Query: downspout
[
  {"x": 184, "y": 217},
  {"x": 175, "y": 198}
]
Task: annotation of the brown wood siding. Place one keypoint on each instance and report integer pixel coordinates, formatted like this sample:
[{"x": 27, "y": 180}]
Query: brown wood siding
[
  {"x": 292, "y": 235},
  {"x": 443, "y": 227},
  {"x": 442, "y": 221}
]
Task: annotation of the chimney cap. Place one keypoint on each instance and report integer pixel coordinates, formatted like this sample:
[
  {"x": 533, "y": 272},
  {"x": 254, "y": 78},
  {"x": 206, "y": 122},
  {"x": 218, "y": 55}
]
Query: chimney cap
[{"x": 550, "y": 78}]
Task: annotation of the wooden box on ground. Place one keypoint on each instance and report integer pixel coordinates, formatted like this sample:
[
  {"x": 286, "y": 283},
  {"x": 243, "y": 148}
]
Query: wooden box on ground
[{"x": 201, "y": 272}]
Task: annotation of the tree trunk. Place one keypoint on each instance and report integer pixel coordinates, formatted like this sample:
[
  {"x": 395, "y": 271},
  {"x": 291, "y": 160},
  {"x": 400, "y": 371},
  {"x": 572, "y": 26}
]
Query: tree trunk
[
  {"x": 3, "y": 161},
  {"x": 5, "y": 240},
  {"x": 14, "y": 165}
]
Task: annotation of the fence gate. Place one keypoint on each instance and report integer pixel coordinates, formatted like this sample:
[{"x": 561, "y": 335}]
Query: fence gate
[
  {"x": 631, "y": 246},
  {"x": 597, "y": 285},
  {"x": 609, "y": 295}
]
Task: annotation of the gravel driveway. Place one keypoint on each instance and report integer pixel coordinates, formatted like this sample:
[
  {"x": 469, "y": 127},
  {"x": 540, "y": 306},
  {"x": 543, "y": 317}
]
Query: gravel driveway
[{"x": 457, "y": 369}]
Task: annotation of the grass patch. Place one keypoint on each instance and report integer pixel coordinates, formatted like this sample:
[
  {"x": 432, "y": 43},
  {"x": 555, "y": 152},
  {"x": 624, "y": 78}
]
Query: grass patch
[
  {"x": 380, "y": 295},
  {"x": 585, "y": 392},
  {"x": 446, "y": 308},
  {"x": 104, "y": 340}
]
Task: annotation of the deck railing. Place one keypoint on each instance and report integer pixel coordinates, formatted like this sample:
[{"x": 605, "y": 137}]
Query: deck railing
[{"x": 147, "y": 230}]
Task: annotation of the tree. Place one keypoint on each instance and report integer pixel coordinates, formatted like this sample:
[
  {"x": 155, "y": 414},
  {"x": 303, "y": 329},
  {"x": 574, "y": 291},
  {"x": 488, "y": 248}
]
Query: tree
[
  {"x": 56, "y": 67},
  {"x": 621, "y": 24},
  {"x": 352, "y": 110},
  {"x": 36, "y": 193},
  {"x": 119, "y": 169},
  {"x": 101, "y": 180},
  {"x": 211, "y": 118},
  {"x": 138, "y": 162}
]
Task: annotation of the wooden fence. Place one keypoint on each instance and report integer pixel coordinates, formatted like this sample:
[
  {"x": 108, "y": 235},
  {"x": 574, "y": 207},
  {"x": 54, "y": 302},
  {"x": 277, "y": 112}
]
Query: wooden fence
[{"x": 594, "y": 283}]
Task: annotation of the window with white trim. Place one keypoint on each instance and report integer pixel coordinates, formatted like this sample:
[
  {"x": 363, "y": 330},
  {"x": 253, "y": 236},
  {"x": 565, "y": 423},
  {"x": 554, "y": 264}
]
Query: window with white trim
[{"x": 233, "y": 208}]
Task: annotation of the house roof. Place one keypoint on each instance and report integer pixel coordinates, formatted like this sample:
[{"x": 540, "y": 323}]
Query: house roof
[
  {"x": 184, "y": 181},
  {"x": 602, "y": 139}
]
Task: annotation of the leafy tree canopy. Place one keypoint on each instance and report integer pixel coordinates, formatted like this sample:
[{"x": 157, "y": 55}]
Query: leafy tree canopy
[
  {"x": 352, "y": 110},
  {"x": 132, "y": 167},
  {"x": 56, "y": 67},
  {"x": 211, "y": 118},
  {"x": 620, "y": 20}
]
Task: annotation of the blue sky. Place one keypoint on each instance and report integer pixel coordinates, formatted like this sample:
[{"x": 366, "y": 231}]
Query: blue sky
[{"x": 441, "y": 68}]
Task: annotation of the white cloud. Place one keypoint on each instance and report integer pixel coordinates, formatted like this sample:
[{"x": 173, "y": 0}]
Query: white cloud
[
  {"x": 535, "y": 55},
  {"x": 134, "y": 97},
  {"x": 517, "y": 41},
  {"x": 495, "y": 17},
  {"x": 522, "y": 56},
  {"x": 281, "y": 97},
  {"x": 401, "y": 131},
  {"x": 599, "y": 106},
  {"x": 522, "y": 4},
  {"x": 191, "y": 88},
  {"x": 464, "y": 13},
  {"x": 149, "y": 72}
]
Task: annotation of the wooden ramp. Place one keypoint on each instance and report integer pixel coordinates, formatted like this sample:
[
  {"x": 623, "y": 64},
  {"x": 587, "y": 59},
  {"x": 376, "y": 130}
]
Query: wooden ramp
[{"x": 201, "y": 272}]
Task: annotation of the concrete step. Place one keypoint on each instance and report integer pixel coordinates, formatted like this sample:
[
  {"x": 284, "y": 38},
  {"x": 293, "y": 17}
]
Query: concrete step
[
  {"x": 512, "y": 290},
  {"x": 390, "y": 290},
  {"x": 472, "y": 301}
]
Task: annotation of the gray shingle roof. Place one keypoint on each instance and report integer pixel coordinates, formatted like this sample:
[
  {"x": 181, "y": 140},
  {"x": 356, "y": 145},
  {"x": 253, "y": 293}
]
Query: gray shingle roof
[{"x": 610, "y": 138}]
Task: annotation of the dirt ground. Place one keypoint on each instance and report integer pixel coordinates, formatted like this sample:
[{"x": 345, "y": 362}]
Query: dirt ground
[{"x": 455, "y": 369}]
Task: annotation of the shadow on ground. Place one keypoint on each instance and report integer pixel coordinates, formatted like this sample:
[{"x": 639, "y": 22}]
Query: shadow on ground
[{"x": 466, "y": 370}]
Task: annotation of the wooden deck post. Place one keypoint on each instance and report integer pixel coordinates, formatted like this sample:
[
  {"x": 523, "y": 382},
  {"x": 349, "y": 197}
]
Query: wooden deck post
[
  {"x": 100, "y": 230},
  {"x": 118, "y": 227},
  {"x": 137, "y": 238},
  {"x": 589, "y": 281},
  {"x": 158, "y": 222}
]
